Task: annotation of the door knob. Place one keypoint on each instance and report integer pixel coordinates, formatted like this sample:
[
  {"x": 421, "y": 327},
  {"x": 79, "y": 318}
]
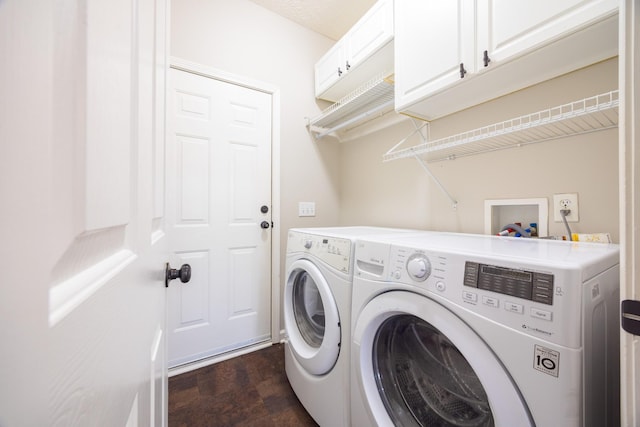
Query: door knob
[
  {"x": 184, "y": 274},
  {"x": 264, "y": 224}
]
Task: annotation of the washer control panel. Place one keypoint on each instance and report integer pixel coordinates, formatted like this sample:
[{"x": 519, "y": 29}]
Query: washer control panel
[
  {"x": 529, "y": 285},
  {"x": 542, "y": 289},
  {"x": 515, "y": 296}
]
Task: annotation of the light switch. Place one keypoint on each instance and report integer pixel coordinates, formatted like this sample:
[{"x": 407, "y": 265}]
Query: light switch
[{"x": 306, "y": 208}]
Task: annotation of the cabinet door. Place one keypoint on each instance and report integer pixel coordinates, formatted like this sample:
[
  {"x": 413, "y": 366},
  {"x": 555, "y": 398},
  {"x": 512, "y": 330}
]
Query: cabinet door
[
  {"x": 370, "y": 33},
  {"x": 508, "y": 28},
  {"x": 432, "y": 39},
  {"x": 330, "y": 67}
]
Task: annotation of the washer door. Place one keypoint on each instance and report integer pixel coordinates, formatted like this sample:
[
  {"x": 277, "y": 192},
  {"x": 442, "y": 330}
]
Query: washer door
[
  {"x": 311, "y": 318},
  {"x": 421, "y": 365}
]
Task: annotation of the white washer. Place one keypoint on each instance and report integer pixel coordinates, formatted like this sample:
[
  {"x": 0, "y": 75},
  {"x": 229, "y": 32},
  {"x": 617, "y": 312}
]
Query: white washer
[
  {"x": 468, "y": 330},
  {"x": 317, "y": 317}
]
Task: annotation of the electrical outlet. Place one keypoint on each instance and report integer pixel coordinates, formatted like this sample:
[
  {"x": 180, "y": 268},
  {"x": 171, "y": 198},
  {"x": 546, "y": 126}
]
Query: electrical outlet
[
  {"x": 306, "y": 208},
  {"x": 565, "y": 201}
]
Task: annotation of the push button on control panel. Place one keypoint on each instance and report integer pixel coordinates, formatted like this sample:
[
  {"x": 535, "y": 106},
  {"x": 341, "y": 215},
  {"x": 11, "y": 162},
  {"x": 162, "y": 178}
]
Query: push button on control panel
[
  {"x": 513, "y": 307},
  {"x": 491, "y": 302},
  {"x": 541, "y": 314},
  {"x": 469, "y": 296}
]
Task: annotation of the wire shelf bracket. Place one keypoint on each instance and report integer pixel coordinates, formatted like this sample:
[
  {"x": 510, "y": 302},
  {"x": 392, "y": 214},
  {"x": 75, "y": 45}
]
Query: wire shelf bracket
[{"x": 423, "y": 131}]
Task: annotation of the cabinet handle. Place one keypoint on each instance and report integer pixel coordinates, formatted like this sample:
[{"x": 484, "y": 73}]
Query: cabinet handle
[
  {"x": 462, "y": 70},
  {"x": 486, "y": 58},
  {"x": 348, "y": 66},
  {"x": 339, "y": 72}
]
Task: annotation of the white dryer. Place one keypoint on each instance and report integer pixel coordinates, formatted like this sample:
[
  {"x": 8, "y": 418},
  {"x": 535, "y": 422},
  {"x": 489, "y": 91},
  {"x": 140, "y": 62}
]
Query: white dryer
[
  {"x": 469, "y": 330},
  {"x": 317, "y": 317}
]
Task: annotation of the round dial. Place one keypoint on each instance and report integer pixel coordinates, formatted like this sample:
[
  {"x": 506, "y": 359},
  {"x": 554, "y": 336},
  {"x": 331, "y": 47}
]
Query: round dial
[{"x": 418, "y": 267}]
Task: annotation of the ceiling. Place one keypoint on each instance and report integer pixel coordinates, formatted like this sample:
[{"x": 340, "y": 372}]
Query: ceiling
[{"x": 332, "y": 18}]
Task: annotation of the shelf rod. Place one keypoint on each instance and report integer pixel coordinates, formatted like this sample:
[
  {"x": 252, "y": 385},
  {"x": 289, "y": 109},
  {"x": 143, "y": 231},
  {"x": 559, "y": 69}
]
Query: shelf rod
[{"x": 356, "y": 119}]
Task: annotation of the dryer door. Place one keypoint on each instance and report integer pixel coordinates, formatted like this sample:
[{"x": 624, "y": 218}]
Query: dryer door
[
  {"x": 420, "y": 365},
  {"x": 311, "y": 318}
]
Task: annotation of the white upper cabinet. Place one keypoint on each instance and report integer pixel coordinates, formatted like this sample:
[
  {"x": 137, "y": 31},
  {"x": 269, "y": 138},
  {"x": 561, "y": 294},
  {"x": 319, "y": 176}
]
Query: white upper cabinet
[
  {"x": 453, "y": 55},
  {"x": 436, "y": 37},
  {"x": 366, "y": 50},
  {"x": 330, "y": 67}
]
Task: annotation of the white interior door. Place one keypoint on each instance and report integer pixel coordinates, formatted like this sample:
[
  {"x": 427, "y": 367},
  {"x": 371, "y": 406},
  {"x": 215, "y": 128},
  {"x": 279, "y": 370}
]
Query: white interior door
[
  {"x": 81, "y": 124},
  {"x": 218, "y": 196}
]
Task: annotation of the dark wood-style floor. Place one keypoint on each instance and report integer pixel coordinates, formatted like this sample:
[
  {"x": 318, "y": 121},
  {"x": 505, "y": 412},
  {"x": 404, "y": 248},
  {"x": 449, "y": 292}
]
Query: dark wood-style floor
[{"x": 249, "y": 390}]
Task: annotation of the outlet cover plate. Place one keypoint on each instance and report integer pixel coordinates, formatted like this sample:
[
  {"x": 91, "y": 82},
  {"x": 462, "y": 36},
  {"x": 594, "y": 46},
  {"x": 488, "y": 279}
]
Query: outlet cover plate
[{"x": 570, "y": 200}]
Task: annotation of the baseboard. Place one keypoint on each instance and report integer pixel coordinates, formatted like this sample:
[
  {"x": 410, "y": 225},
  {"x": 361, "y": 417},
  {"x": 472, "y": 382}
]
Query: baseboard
[{"x": 188, "y": 367}]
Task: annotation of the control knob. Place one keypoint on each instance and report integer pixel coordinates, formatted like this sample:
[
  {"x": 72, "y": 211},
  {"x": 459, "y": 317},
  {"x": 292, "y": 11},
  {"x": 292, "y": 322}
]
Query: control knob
[
  {"x": 308, "y": 244},
  {"x": 418, "y": 267}
]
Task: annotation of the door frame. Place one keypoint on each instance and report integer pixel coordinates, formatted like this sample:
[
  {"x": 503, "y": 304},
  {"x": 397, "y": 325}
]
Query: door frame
[
  {"x": 629, "y": 165},
  {"x": 274, "y": 91}
]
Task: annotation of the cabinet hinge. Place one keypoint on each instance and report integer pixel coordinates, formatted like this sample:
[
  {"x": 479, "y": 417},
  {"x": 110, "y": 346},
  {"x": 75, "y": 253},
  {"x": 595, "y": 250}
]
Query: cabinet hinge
[{"x": 630, "y": 316}]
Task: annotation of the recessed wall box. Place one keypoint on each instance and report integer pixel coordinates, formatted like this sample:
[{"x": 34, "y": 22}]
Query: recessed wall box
[{"x": 500, "y": 212}]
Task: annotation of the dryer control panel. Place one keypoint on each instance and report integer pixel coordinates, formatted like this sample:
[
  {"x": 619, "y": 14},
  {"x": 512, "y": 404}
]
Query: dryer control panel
[{"x": 334, "y": 251}]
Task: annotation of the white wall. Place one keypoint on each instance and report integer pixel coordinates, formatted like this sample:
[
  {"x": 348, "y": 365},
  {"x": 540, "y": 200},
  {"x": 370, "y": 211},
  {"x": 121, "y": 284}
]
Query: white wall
[{"x": 401, "y": 194}]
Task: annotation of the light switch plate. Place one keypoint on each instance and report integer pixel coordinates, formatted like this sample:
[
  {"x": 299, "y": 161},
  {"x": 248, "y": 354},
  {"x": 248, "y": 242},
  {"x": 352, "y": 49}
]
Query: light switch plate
[{"x": 306, "y": 208}]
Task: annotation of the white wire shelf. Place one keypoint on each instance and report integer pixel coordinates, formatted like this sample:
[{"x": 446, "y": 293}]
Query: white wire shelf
[
  {"x": 591, "y": 114},
  {"x": 373, "y": 97}
]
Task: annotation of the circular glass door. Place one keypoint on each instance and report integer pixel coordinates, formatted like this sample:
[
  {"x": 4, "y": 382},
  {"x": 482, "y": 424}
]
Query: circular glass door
[
  {"x": 311, "y": 318},
  {"x": 418, "y": 364},
  {"x": 308, "y": 309},
  {"x": 423, "y": 379}
]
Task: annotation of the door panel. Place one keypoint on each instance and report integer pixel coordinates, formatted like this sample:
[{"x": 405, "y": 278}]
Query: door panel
[
  {"x": 86, "y": 304},
  {"x": 193, "y": 180},
  {"x": 219, "y": 175}
]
